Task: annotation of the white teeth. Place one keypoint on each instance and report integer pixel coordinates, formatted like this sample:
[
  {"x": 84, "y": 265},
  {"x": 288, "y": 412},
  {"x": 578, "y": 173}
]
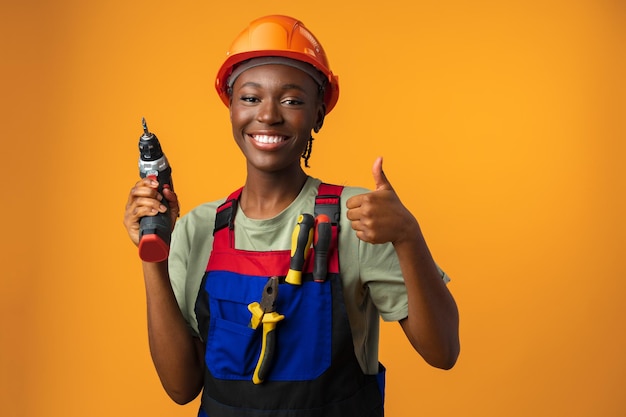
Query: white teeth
[{"x": 268, "y": 139}]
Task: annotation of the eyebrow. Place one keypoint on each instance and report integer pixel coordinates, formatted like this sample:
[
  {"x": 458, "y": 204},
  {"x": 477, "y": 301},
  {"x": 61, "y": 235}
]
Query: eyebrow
[
  {"x": 294, "y": 87},
  {"x": 283, "y": 87}
]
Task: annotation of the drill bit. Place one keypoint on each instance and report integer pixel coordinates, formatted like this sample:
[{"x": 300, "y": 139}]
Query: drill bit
[{"x": 145, "y": 126}]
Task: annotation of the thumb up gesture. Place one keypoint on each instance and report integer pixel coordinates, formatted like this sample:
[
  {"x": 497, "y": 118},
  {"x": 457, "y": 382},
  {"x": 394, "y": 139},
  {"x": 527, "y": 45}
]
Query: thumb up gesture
[{"x": 379, "y": 216}]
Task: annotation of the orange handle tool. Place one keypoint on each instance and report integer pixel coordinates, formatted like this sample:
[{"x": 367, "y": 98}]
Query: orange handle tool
[{"x": 321, "y": 245}]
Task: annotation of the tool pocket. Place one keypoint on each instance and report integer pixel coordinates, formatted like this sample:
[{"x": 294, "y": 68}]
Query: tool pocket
[
  {"x": 304, "y": 337},
  {"x": 232, "y": 347}
]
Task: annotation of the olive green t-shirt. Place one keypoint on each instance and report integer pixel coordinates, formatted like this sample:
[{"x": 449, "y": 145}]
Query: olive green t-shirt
[{"x": 372, "y": 282}]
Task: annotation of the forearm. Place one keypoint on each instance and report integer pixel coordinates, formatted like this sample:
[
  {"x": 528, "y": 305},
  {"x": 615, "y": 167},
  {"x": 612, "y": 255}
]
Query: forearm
[
  {"x": 432, "y": 324},
  {"x": 177, "y": 355}
]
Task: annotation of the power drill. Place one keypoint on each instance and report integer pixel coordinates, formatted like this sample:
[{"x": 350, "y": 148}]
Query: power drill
[{"x": 154, "y": 231}]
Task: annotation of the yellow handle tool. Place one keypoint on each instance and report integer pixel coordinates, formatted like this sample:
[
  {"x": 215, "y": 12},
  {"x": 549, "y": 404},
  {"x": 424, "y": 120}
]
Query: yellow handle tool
[
  {"x": 265, "y": 313},
  {"x": 268, "y": 346},
  {"x": 301, "y": 240},
  {"x": 257, "y": 315}
]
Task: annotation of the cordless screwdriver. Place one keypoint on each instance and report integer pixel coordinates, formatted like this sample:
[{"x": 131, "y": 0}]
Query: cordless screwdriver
[{"x": 154, "y": 231}]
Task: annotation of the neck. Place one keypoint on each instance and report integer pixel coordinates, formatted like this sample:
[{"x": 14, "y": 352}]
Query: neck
[{"x": 265, "y": 194}]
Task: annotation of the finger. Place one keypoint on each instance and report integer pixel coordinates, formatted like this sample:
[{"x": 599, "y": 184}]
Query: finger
[
  {"x": 354, "y": 202},
  {"x": 380, "y": 179},
  {"x": 363, "y": 236},
  {"x": 143, "y": 200},
  {"x": 144, "y": 190},
  {"x": 131, "y": 220},
  {"x": 147, "y": 183},
  {"x": 356, "y": 225},
  {"x": 170, "y": 195},
  {"x": 172, "y": 199},
  {"x": 147, "y": 207},
  {"x": 352, "y": 215}
]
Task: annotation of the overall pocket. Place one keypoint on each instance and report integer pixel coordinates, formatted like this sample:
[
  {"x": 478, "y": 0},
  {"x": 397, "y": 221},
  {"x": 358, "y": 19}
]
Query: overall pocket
[
  {"x": 232, "y": 347},
  {"x": 303, "y": 338}
]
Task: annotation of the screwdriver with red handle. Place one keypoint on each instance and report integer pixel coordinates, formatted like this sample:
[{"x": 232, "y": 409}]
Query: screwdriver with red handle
[{"x": 321, "y": 246}]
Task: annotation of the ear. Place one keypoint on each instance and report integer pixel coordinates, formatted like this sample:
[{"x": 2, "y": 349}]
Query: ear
[{"x": 319, "y": 121}]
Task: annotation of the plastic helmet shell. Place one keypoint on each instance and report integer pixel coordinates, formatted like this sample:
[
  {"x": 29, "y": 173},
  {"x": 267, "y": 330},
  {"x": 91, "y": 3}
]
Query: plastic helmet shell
[{"x": 282, "y": 36}]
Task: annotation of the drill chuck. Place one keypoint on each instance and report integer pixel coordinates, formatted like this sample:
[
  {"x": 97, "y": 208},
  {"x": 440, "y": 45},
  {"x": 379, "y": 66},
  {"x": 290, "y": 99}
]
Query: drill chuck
[{"x": 154, "y": 231}]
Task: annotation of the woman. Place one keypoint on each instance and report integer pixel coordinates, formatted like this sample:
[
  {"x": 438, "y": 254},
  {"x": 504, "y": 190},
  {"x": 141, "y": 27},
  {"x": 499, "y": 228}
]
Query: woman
[{"x": 210, "y": 323}]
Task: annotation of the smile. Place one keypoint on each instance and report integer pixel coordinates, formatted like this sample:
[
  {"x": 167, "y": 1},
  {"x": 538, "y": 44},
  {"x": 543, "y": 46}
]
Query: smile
[{"x": 267, "y": 139}]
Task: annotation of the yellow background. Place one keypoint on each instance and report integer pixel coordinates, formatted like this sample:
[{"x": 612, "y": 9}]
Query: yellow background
[{"x": 502, "y": 127}]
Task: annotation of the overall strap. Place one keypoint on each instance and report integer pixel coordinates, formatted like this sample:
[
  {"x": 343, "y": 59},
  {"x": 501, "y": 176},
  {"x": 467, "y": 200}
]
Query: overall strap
[
  {"x": 225, "y": 217},
  {"x": 328, "y": 202}
]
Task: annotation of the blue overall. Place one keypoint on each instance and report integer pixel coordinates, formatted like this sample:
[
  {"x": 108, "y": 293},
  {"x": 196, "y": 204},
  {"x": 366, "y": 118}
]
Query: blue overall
[{"x": 314, "y": 372}]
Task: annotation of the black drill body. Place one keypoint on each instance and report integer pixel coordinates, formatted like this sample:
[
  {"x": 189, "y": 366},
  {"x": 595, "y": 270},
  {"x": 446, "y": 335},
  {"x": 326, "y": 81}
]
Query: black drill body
[{"x": 154, "y": 231}]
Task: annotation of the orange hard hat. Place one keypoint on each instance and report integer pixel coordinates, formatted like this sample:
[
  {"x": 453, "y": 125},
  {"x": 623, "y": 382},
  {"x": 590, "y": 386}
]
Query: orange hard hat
[{"x": 278, "y": 36}]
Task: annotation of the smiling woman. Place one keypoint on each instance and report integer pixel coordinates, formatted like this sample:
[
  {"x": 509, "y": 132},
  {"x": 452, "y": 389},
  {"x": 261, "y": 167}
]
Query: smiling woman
[
  {"x": 502, "y": 128},
  {"x": 273, "y": 110},
  {"x": 276, "y": 325}
]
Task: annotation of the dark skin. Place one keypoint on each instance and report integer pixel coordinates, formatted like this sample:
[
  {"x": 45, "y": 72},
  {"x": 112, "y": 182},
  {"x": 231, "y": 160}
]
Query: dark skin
[
  {"x": 273, "y": 110},
  {"x": 433, "y": 320},
  {"x": 266, "y": 108},
  {"x": 177, "y": 356}
]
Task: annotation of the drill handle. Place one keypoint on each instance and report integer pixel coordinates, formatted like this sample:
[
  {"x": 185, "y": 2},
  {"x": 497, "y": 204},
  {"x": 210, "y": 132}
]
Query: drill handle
[{"x": 155, "y": 231}]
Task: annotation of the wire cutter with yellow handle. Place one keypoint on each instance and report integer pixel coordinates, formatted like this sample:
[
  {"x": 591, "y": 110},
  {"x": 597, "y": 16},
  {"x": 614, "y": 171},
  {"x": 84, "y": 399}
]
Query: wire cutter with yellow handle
[{"x": 265, "y": 312}]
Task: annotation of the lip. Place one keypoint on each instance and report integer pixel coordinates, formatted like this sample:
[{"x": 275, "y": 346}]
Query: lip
[{"x": 267, "y": 141}]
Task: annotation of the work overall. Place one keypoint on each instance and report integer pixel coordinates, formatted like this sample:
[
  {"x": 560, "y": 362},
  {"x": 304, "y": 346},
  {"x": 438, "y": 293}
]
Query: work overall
[{"x": 314, "y": 371}]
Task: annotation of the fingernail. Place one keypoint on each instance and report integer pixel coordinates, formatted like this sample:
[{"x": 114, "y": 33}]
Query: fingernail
[{"x": 162, "y": 208}]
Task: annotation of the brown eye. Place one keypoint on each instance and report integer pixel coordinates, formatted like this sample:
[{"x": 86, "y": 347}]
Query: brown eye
[
  {"x": 292, "y": 102},
  {"x": 249, "y": 99}
]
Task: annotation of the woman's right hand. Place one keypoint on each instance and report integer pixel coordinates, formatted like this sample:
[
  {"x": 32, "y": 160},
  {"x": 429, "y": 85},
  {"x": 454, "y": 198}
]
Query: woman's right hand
[{"x": 144, "y": 199}]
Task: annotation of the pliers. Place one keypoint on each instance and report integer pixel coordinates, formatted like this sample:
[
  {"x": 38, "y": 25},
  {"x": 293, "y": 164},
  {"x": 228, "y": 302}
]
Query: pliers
[{"x": 265, "y": 312}]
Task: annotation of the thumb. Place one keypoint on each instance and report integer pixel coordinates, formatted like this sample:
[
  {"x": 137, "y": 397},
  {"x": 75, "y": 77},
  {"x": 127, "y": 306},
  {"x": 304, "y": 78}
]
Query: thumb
[{"x": 380, "y": 179}]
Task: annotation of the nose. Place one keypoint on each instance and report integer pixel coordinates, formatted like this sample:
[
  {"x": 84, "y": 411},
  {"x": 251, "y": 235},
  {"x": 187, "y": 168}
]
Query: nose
[{"x": 269, "y": 112}]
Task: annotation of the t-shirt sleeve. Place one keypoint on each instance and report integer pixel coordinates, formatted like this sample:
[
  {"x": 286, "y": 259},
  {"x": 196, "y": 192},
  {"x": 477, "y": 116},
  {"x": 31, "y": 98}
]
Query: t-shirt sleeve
[
  {"x": 380, "y": 273},
  {"x": 190, "y": 248},
  {"x": 177, "y": 264}
]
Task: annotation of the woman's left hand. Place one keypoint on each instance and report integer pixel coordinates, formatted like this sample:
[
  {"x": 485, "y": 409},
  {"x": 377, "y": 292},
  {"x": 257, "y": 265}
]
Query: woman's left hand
[{"x": 379, "y": 216}]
